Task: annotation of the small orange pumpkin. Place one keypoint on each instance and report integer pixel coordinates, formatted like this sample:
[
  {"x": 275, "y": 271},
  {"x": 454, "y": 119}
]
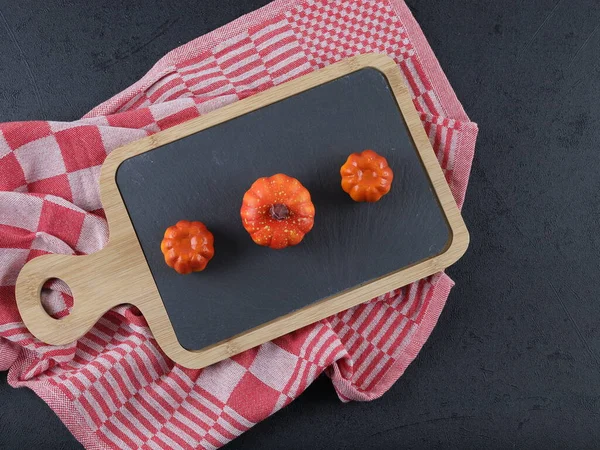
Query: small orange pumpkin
[
  {"x": 187, "y": 246},
  {"x": 366, "y": 176},
  {"x": 277, "y": 211}
]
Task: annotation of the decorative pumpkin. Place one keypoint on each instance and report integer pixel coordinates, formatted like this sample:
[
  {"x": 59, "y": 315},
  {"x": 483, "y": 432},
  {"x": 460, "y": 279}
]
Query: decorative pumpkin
[
  {"x": 187, "y": 246},
  {"x": 366, "y": 176},
  {"x": 277, "y": 211}
]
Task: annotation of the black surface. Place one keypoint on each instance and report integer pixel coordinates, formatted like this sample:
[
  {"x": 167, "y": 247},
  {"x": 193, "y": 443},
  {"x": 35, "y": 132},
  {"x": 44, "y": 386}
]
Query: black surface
[
  {"x": 307, "y": 136},
  {"x": 26, "y": 422},
  {"x": 514, "y": 361}
]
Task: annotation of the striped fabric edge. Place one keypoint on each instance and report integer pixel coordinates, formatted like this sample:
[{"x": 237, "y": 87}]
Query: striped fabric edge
[
  {"x": 189, "y": 50},
  {"x": 348, "y": 391},
  {"x": 75, "y": 423},
  {"x": 452, "y": 108}
]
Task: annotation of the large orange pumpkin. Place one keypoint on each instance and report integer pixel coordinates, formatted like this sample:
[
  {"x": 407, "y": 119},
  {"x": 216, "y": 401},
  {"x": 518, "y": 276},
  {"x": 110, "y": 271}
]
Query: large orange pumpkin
[{"x": 277, "y": 211}]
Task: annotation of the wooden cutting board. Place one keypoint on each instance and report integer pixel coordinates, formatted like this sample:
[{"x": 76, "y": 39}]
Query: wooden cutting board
[{"x": 200, "y": 170}]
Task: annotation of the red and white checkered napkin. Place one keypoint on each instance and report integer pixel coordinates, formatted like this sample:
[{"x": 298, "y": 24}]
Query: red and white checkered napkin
[{"x": 114, "y": 388}]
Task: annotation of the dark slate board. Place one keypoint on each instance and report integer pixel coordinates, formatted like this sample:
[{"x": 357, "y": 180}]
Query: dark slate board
[{"x": 307, "y": 136}]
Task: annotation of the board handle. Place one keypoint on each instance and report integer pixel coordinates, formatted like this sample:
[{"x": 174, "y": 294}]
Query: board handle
[{"x": 85, "y": 275}]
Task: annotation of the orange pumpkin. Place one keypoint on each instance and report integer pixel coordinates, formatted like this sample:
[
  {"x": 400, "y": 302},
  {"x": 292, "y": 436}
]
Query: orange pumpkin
[
  {"x": 277, "y": 211},
  {"x": 366, "y": 176},
  {"x": 187, "y": 246}
]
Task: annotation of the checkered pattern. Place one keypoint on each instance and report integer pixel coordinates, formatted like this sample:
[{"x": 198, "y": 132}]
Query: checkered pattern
[{"x": 114, "y": 388}]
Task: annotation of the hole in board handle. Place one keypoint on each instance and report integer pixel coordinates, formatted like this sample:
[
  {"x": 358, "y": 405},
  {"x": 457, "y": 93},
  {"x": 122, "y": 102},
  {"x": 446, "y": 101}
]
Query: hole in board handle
[{"x": 56, "y": 298}]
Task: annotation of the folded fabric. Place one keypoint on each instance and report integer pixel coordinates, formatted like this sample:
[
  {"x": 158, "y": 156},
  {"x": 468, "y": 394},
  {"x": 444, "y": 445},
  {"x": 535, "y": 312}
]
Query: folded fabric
[{"x": 114, "y": 388}]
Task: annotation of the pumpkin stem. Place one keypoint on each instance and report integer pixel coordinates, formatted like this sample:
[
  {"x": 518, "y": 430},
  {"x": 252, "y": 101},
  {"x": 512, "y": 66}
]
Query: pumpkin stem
[{"x": 279, "y": 211}]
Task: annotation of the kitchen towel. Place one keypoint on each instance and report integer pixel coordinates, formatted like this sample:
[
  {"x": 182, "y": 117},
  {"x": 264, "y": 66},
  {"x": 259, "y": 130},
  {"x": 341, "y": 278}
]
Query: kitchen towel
[{"x": 114, "y": 388}]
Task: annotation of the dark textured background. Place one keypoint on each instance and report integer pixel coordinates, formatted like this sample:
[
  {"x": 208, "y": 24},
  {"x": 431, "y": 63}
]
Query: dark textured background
[{"x": 515, "y": 358}]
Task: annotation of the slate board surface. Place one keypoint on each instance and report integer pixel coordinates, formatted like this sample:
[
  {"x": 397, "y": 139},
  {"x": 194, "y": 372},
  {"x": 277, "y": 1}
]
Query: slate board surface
[{"x": 308, "y": 136}]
